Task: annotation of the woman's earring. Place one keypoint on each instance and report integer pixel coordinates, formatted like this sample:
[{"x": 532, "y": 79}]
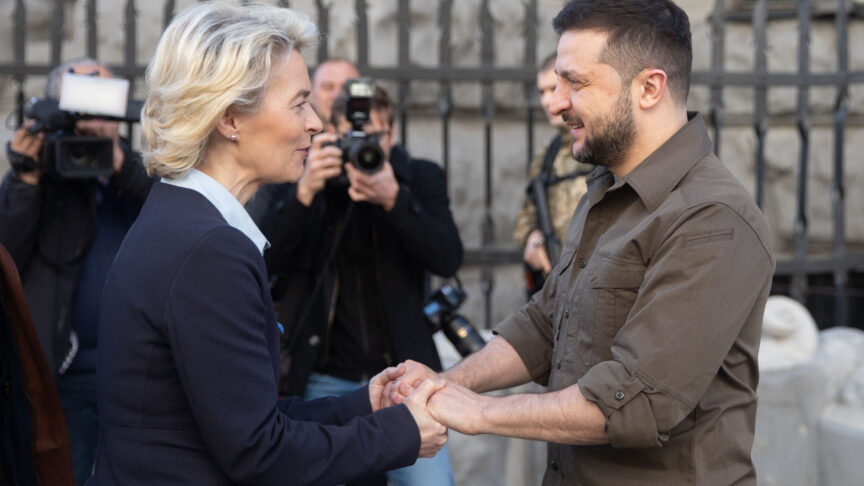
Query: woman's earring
[{"x": 233, "y": 137}]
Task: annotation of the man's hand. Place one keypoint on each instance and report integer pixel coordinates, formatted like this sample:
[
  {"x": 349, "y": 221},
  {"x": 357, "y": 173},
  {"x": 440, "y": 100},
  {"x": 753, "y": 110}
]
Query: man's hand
[
  {"x": 380, "y": 188},
  {"x": 414, "y": 374},
  {"x": 104, "y": 129},
  {"x": 535, "y": 252},
  {"x": 380, "y": 385},
  {"x": 27, "y": 144},
  {"x": 323, "y": 163},
  {"x": 459, "y": 408},
  {"x": 432, "y": 434}
]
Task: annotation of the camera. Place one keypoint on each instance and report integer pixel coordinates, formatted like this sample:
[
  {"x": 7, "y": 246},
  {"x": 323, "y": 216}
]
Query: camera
[
  {"x": 440, "y": 311},
  {"x": 66, "y": 153},
  {"x": 359, "y": 148}
]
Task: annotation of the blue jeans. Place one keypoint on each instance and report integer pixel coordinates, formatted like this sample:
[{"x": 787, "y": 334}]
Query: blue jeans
[
  {"x": 433, "y": 471},
  {"x": 77, "y": 391}
]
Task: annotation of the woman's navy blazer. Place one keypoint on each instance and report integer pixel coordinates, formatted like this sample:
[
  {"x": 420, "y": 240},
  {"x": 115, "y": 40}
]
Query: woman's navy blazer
[{"x": 189, "y": 361}]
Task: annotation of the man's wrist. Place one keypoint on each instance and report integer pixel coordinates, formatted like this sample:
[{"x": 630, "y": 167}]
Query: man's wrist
[
  {"x": 488, "y": 419},
  {"x": 31, "y": 178},
  {"x": 23, "y": 166},
  {"x": 455, "y": 375},
  {"x": 390, "y": 202},
  {"x": 304, "y": 195},
  {"x": 530, "y": 235}
]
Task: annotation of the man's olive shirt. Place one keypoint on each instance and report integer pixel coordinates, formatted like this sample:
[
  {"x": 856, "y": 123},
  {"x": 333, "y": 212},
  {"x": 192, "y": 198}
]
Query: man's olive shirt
[{"x": 655, "y": 310}]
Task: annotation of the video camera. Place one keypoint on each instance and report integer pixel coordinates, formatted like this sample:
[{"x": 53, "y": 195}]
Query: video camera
[
  {"x": 66, "y": 153},
  {"x": 359, "y": 148},
  {"x": 440, "y": 311}
]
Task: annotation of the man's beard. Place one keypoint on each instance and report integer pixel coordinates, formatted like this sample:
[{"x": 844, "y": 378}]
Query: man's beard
[{"x": 608, "y": 146}]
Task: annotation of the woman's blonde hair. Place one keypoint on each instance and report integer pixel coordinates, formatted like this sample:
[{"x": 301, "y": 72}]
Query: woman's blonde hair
[{"x": 211, "y": 57}]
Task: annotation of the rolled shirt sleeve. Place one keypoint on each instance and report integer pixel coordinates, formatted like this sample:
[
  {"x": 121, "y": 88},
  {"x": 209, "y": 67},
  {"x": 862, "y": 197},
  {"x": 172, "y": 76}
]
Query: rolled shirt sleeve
[{"x": 697, "y": 294}]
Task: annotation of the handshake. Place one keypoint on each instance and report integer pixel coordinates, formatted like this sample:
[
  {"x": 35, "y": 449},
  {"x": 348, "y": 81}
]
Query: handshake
[{"x": 435, "y": 404}]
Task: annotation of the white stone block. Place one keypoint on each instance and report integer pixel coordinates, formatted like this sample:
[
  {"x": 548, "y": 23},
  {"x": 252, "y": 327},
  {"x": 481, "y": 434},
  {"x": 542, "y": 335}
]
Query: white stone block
[
  {"x": 789, "y": 335},
  {"x": 841, "y": 446},
  {"x": 791, "y": 402}
]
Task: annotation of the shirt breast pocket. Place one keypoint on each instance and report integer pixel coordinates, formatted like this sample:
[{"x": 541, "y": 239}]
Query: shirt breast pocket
[{"x": 614, "y": 286}]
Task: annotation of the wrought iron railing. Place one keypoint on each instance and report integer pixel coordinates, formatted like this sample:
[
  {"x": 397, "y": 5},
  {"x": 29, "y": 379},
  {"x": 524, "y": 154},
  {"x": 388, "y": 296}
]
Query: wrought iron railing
[{"x": 795, "y": 274}]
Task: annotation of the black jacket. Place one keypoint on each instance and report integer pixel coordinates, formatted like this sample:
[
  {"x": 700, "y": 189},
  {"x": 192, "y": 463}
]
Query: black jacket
[
  {"x": 48, "y": 230},
  {"x": 417, "y": 236}
]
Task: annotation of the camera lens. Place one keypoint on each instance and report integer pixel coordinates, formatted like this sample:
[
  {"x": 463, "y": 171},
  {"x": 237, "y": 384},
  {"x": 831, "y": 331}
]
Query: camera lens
[
  {"x": 81, "y": 156},
  {"x": 367, "y": 157},
  {"x": 464, "y": 337}
]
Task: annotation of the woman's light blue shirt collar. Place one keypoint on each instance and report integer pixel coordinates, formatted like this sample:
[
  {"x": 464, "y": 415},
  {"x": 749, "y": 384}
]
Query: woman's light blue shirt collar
[{"x": 227, "y": 205}]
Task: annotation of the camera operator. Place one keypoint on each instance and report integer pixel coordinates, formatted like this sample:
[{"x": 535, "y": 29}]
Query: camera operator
[
  {"x": 350, "y": 310},
  {"x": 63, "y": 234}
]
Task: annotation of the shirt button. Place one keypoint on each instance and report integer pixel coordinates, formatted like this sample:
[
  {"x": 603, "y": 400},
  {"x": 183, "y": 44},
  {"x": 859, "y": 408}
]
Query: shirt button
[
  {"x": 558, "y": 365},
  {"x": 583, "y": 263},
  {"x": 554, "y": 465},
  {"x": 566, "y": 313},
  {"x": 619, "y": 395},
  {"x": 314, "y": 340}
]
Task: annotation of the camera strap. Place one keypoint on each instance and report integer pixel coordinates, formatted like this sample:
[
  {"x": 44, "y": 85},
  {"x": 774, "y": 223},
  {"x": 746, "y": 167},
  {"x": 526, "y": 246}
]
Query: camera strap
[
  {"x": 550, "y": 156},
  {"x": 288, "y": 344},
  {"x": 547, "y": 170},
  {"x": 20, "y": 162}
]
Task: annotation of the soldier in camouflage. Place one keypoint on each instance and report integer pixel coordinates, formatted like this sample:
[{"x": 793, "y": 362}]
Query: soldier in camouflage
[{"x": 567, "y": 176}]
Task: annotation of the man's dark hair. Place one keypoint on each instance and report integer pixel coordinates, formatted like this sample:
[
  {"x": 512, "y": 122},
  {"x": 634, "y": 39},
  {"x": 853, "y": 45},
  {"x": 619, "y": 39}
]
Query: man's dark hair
[
  {"x": 547, "y": 63},
  {"x": 643, "y": 34},
  {"x": 381, "y": 101}
]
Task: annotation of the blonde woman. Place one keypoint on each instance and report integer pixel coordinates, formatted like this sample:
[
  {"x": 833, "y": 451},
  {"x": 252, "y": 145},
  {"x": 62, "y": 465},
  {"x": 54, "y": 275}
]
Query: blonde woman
[{"x": 189, "y": 345}]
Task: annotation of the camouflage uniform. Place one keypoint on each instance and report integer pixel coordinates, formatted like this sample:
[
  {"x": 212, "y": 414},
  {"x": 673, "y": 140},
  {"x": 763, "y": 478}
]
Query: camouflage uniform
[{"x": 562, "y": 197}]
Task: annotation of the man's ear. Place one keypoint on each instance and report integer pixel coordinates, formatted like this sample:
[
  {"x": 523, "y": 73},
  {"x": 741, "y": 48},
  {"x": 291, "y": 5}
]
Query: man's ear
[
  {"x": 651, "y": 84},
  {"x": 228, "y": 125}
]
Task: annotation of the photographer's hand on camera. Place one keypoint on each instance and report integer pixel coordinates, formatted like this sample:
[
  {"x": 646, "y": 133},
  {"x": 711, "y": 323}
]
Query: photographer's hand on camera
[
  {"x": 25, "y": 144},
  {"x": 322, "y": 163},
  {"x": 380, "y": 188}
]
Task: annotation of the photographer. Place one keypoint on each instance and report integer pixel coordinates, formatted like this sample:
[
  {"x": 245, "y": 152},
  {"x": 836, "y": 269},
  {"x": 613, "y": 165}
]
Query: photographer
[
  {"x": 63, "y": 234},
  {"x": 327, "y": 82},
  {"x": 349, "y": 257}
]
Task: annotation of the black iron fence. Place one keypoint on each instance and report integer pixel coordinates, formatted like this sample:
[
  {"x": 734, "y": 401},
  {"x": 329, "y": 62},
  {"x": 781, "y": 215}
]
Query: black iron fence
[{"x": 831, "y": 284}]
